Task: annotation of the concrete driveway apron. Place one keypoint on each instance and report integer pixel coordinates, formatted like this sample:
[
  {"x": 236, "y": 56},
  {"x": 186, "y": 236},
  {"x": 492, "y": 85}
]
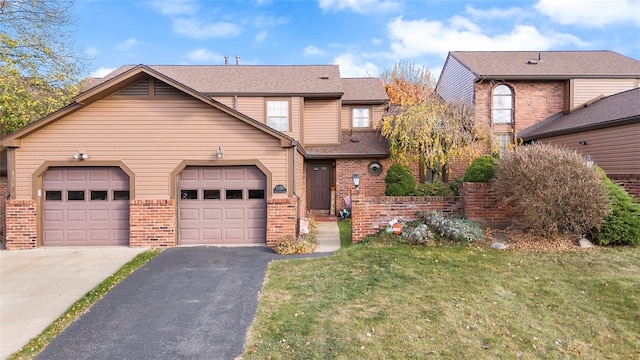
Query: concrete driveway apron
[{"x": 186, "y": 303}]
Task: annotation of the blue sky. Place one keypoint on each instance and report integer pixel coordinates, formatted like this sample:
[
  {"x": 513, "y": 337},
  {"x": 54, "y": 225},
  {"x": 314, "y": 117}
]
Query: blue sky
[{"x": 364, "y": 37}]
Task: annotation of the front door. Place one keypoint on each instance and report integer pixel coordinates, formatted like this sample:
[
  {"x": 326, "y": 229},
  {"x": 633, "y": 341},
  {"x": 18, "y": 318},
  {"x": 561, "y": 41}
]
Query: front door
[{"x": 320, "y": 175}]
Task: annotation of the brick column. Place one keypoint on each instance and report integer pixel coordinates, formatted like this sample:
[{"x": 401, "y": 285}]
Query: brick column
[
  {"x": 152, "y": 223},
  {"x": 282, "y": 215},
  {"x": 481, "y": 204},
  {"x": 22, "y": 225}
]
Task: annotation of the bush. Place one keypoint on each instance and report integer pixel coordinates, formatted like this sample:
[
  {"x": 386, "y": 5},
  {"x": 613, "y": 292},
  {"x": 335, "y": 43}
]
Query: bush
[
  {"x": 622, "y": 225},
  {"x": 437, "y": 188},
  {"x": 400, "y": 181},
  {"x": 482, "y": 169},
  {"x": 461, "y": 230},
  {"x": 553, "y": 189},
  {"x": 454, "y": 185}
]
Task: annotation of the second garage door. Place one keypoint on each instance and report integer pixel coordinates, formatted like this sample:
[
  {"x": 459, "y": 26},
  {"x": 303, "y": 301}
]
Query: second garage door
[{"x": 222, "y": 205}]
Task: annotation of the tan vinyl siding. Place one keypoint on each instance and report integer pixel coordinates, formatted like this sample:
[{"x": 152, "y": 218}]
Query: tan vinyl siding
[
  {"x": 301, "y": 182},
  {"x": 614, "y": 149},
  {"x": 378, "y": 113},
  {"x": 584, "y": 90},
  {"x": 150, "y": 137},
  {"x": 252, "y": 107},
  {"x": 321, "y": 122},
  {"x": 345, "y": 117}
]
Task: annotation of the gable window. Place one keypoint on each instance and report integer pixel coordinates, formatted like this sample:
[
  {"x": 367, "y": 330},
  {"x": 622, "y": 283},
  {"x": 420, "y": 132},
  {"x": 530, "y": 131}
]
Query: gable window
[
  {"x": 360, "y": 118},
  {"x": 502, "y": 105},
  {"x": 278, "y": 114}
]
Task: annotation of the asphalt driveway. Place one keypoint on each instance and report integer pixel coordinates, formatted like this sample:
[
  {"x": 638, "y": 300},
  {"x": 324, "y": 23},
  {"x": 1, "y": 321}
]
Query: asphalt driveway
[{"x": 186, "y": 303}]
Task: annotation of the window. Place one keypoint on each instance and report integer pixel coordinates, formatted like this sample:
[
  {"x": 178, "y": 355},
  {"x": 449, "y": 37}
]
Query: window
[
  {"x": 256, "y": 194},
  {"x": 233, "y": 195},
  {"x": 278, "y": 115},
  {"x": 502, "y": 105},
  {"x": 360, "y": 118},
  {"x": 120, "y": 195},
  {"x": 100, "y": 195},
  {"x": 53, "y": 195},
  {"x": 75, "y": 195},
  {"x": 212, "y": 194},
  {"x": 189, "y": 194},
  {"x": 505, "y": 143}
]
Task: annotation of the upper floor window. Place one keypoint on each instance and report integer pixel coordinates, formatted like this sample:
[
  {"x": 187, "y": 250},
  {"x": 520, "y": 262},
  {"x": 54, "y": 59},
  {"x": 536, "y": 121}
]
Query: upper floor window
[
  {"x": 278, "y": 114},
  {"x": 360, "y": 117},
  {"x": 502, "y": 105}
]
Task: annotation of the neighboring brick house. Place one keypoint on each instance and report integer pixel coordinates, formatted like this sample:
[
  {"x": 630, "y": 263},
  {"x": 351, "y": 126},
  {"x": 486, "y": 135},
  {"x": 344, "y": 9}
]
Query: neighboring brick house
[
  {"x": 607, "y": 129},
  {"x": 170, "y": 155},
  {"x": 513, "y": 90}
]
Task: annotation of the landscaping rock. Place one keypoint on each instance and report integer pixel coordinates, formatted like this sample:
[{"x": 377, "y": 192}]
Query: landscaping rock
[
  {"x": 584, "y": 243},
  {"x": 498, "y": 246}
]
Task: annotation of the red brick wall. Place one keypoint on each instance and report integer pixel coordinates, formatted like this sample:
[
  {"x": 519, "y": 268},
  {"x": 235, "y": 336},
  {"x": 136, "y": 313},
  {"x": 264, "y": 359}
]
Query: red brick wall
[
  {"x": 373, "y": 213},
  {"x": 630, "y": 182},
  {"x": 534, "y": 101},
  {"x": 152, "y": 223},
  {"x": 21, "y": 225},
  {"x": 3, "y": 196},
  {"x": 482, "y": 205},
  {"x": 282, "y": 214}
]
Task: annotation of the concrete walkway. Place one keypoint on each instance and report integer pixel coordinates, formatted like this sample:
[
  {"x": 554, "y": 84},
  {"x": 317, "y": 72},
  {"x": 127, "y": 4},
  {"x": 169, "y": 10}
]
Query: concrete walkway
[
  {"x": 328, "y": 236},
  {"x": 37, "y": 286}
]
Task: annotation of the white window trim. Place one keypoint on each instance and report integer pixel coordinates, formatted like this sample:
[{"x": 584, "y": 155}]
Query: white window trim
[
  {"x": 369, "y": 120},
  {"x": 493, "y": 106},
  {"x": 288, "y": 116}
]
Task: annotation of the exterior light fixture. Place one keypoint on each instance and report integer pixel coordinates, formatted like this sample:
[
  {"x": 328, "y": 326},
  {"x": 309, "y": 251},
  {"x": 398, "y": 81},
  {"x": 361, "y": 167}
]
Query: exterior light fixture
[
  {"x": 356, "y": 180},
  {"x": 219, "y": 153},
  {"x": 590, "y": 160},
  {"x": 81, "y": 156}
]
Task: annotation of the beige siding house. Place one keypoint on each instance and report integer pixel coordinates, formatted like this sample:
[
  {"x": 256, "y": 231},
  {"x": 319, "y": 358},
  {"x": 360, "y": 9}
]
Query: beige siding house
[{"x": 170, "y": 155}]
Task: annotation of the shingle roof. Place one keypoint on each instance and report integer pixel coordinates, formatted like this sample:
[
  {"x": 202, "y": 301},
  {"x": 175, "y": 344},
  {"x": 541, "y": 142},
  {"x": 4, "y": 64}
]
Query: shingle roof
[
  {"x": 615, "y": 109},
  {"x": 322, "y": 80},
  {"x": 359, "y": 90},
  {"x": 361, "y": 144},
  {"x": 548, "y": 64}
]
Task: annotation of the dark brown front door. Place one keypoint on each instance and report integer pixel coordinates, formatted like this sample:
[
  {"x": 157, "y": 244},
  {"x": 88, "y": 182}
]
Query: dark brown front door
[{"x": 320, "y": 175}]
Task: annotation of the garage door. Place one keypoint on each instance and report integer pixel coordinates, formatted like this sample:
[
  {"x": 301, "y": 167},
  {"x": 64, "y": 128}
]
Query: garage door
[
  {"x": 85, "y": 206},
  {"x": 222, "y": 205}
]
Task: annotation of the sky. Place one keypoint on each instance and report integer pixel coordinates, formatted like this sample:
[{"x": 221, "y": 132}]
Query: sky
[{"x": 363, "y": 37}]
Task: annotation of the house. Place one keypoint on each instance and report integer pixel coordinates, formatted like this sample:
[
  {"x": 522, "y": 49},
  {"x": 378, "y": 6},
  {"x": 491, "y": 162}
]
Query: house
[
  {"x": 171, "y": 155},
  {"x": 514, "y": 90},
  {"x": 607, "y": 129}
]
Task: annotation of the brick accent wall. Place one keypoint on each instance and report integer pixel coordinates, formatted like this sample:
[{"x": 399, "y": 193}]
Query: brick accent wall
[
  {"x": 152, "y": 223},
  {"x": 534, "y": 101},
  {"x": 21, "y": 225},
  {"x": 630, "y": 182},
  {"x": 4, "y": 191},
  {"x": 282, "y": 216},
  {"x": 482, "y": 205},
  {"x": 373, "y": 213}
]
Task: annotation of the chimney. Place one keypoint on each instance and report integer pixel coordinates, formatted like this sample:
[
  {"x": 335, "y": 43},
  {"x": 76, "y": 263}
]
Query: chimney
[
  {"x": 237, "y": 59},
  {"x": 226, "y": 59}
]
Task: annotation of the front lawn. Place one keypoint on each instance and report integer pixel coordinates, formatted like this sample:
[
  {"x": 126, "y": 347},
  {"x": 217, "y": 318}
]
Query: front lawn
[{"x": 389, "y": 300}]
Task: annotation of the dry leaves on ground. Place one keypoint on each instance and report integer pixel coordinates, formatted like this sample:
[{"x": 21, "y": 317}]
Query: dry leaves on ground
[{"x": 521, "y": 240}]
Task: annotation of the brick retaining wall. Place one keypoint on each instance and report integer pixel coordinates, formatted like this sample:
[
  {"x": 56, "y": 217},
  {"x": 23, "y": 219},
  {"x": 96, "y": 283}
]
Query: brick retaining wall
[
  {"x": 282, "y": 215},
  {"x": 482, "y": 205},
  {"x": 630, "y": 182},
  {"x": 373, "y": 213}
]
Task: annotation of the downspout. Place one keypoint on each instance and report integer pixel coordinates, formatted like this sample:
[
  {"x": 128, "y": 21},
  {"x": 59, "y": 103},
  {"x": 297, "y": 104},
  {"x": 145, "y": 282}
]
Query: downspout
[{"x": 295, "y": 192}]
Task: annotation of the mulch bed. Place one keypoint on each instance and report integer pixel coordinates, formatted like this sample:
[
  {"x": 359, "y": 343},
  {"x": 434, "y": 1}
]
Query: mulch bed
[{"x": 521, "y": 240}]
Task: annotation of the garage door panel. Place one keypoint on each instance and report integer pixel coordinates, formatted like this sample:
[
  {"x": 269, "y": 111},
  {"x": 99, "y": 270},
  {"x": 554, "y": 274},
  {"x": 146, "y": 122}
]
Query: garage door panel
[
  {"x": 222, "y": 219},
  {"x": 189, "y": 214},
  {"x": 101, "y": 221}
]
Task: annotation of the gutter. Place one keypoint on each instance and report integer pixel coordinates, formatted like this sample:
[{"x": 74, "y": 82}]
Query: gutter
[{"x": 294, "y": 150}]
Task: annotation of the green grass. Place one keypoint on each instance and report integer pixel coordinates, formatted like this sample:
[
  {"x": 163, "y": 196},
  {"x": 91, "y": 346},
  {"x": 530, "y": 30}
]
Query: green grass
[
  {"x": 37, "y": 344},
  {"x": 345, "y": 233},
  {"x": 387, "y": 300}
]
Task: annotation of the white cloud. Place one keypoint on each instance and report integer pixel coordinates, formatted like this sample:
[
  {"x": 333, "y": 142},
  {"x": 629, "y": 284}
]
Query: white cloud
[
  {"x": 494, "y": 13},
  {"x": 312, "y": 51},
  {"x": 413, "y": 38},
  {"x": 175, "y": 7},
  {"x": 592, "y": 13},
  {"x": 261, "y": 36},
  {"x": 360, "y": 6},
  {"x": 376, "y": 41},
  {"x": 204, "y": 56},
  {"x": 92, "y": 51},
  {"x": 196, "y": 29},
  {"x": 350, "y": 67},
  {"x": 101, "y": 72},
  {"x": 127, "y": 44}
]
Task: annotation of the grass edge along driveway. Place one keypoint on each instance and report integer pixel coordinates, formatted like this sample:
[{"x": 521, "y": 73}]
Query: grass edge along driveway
[{"x": 386, "y": 299}]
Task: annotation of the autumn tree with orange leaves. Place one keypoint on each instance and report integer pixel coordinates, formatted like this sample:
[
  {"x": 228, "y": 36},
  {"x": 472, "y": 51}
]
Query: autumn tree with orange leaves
[{"x": 423, "y": 128}]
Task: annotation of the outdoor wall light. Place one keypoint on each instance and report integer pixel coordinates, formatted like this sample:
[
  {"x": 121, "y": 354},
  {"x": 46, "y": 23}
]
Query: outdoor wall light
[
  {"x": 590, "y": 160},
  {"x": 219, "y": 153},
  {"x": 583, "y": 142},
  {"x": 356, "y": 180},
  {"x": 81, "y": 156}
]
